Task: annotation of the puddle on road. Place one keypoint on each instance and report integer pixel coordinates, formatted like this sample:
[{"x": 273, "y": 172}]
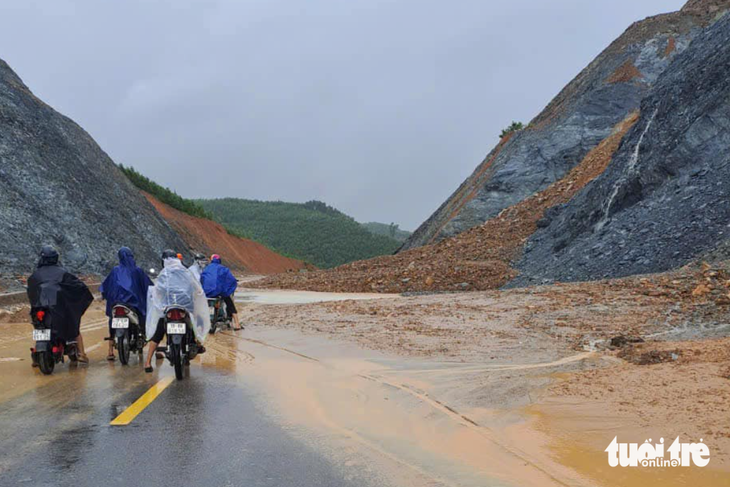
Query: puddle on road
[
  {"x": 276, "y": 296},
  {"x": 361, "y": 406},
  {"x": 355, "y": 404}
]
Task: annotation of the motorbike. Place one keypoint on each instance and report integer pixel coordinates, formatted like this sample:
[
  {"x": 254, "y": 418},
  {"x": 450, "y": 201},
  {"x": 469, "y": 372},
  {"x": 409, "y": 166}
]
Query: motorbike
[
  {"x": 218, "y": 314},
  {"x": 127, "y": 333},
  {"x": 181, "y": 345},
  {"x": 49, "y": 349}
]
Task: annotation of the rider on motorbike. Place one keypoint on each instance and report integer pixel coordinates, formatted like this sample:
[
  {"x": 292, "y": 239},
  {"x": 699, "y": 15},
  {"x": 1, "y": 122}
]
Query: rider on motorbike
[
  {"x": 218, "y": 281},
  {"x": 127, "y": 284},
  {"x": 175, "y": 286},
  {"x": 64, "y": 296},
  {"x": 199, "y": 264}
]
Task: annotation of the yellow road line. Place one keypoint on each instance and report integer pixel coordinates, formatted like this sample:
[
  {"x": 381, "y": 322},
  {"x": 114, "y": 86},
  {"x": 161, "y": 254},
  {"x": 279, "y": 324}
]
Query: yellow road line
[{"x": 145, "y": 400}]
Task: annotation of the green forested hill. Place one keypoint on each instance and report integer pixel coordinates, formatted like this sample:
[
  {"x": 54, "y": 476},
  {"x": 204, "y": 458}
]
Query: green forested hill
[
  {"x": 392, "y": 230},
  {"x": 312, "y": 231}
]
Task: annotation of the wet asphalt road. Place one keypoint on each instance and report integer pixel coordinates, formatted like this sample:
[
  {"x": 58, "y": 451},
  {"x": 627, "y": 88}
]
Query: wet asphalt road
[{"x": 204, "y": 430}]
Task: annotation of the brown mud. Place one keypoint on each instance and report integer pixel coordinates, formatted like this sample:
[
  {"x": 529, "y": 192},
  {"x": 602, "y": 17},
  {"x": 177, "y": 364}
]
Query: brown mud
[
  {"x": 477, "y": 259},
  {"x": 494, "y": 388},
  {"x": 536, "y": 369},
  {"x": 209, "y": 237}
]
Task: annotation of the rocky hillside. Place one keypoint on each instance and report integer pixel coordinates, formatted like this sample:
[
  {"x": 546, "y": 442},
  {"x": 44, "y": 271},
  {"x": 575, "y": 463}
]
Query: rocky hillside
[
  {"x": 651, "y": 195},
  {"x": 58, "y": 186},
  {"x": 576, "y": 121},
  {"x": 665, "y": 198}
]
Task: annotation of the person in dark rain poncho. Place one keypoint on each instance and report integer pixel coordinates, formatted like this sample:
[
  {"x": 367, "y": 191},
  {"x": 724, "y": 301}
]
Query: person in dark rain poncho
[
  {"x": 127, "y": 284},
  {"x": 218, "y": 281},
  {"x": 63, "y": 295}
]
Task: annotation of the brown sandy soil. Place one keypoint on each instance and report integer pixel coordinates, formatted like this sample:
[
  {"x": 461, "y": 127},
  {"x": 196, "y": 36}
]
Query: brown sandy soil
[
  {"x": 14, "y": 314},
  {"x": 210, "y": 237},
  {"x": 546, "y": 353},
  {"x": 16, "y": 375},
  {"x": 685, "y": 383},
  {"x": 518, "y": 385},
  {"x": 477, "y": 259},
  {"x": 625, "y": 73},
  {"x": 685, "y": 396}
]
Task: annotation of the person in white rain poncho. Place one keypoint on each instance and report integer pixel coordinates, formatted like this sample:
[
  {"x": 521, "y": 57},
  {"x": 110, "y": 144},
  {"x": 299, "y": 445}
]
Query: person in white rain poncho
[
  {"x": 175, "y": 286},
  {"x": 198, "y": 265}
]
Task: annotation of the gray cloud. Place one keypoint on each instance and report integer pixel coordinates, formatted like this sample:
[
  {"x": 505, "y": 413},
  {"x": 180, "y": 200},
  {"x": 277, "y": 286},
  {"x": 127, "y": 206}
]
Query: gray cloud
[{"x": 378, "y": 107}]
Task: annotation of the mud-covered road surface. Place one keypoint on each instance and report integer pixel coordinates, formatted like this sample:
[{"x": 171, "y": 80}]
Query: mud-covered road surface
[{"x": 301, "y": 398}]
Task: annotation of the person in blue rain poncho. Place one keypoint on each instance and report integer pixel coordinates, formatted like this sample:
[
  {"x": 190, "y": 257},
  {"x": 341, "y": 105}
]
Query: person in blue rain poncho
[
  {"x": 127, "y": 284},
  {"x": 218, "y": 282}
]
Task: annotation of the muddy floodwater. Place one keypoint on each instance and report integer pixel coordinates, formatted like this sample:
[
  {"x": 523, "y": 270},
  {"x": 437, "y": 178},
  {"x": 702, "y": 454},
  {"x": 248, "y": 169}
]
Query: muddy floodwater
[
  {"x": 458, "y": 388},
  {"x": 439, "y": 390},
  {"x": 276, "y": 296}
]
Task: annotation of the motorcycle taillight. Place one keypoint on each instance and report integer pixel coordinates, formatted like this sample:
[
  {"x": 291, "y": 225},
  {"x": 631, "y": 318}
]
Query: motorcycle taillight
[
  {"x": 176, "y": 314},
  {"x": 119, "y": 311},
  {"x": 40, "y": 315}
]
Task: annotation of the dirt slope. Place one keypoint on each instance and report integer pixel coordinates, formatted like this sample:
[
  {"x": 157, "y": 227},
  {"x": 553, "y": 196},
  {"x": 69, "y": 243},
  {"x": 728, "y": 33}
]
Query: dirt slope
[
  {"x": 665, "y": 198},
  {"x": 210, "y": 237},
  {"x": 572, "y": 124},
  {"x": 476, "y": 259}
]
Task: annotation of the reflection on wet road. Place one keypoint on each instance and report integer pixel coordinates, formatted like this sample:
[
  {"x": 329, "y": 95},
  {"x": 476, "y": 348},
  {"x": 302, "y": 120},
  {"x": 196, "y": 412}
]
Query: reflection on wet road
[
  {"x": 261, "y": 407},
  {"x": 277, "y": 296},
  {"x": 204, "y": 430}
]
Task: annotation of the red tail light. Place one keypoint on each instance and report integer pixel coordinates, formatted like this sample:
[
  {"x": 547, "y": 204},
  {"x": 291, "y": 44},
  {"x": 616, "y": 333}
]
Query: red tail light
[
  {"x": 119, "y": 311},
  {"x": 40, "y": 314},
  {"x": 176, "y": 314}
]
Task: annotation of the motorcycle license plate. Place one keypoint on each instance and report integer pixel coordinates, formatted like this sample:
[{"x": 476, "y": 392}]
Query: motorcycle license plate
[
  {"x": 42, "y": 335},
  {"x": 120, "y": 322},
  {"x": 176, "y": 328}
]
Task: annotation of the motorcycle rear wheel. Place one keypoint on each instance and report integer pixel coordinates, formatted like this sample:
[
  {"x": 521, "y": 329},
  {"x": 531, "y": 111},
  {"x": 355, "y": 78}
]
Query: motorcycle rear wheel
[
  {"x": 123, "y": 348},
  {"x": 46, "y": 362},
  {"x": 177, "y": 360}
]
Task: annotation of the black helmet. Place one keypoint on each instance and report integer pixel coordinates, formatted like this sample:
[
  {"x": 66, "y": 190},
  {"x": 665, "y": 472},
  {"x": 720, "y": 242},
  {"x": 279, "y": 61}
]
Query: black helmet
[
  {"x": 169, "y": 254},
  {"x": 48, "y": 256},
  {"x": 199, "y": 256}
]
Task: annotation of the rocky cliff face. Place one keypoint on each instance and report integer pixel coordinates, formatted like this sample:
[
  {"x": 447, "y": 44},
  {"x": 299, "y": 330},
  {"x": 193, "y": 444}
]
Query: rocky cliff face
[
  {"x": 665, "y": 197},
  {"x": 57, "y": 186},
  {"x": 575, "y": 122}
]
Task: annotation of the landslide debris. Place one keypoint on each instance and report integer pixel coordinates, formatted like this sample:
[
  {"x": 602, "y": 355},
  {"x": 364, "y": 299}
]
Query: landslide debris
[
  {"x": 574, "y": 122},
  {"x": 474, "y": 260},
  {"x": 665, "y": 198}
]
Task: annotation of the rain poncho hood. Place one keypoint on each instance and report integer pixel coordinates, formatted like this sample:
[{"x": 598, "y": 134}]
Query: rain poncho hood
[
  {"x": 126, "y": 284},
  {"x": 195, "y": 269},
  {"x": 64, "y": 296},
  {"x": 177, "y": 286},
  {"x": 217, "y": 280}
]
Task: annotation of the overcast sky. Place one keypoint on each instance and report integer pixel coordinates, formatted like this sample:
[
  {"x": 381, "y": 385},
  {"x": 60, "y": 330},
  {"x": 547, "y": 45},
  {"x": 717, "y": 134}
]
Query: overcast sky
[{"x": 380, "y": 108}]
